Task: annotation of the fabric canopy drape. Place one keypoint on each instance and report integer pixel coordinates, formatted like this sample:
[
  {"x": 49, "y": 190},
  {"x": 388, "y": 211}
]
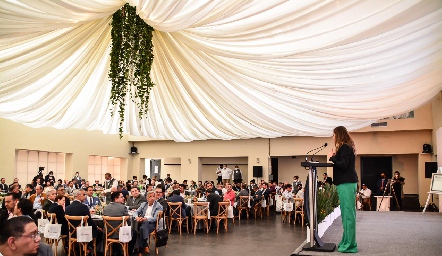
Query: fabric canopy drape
[{"x": 224, "y": 69}]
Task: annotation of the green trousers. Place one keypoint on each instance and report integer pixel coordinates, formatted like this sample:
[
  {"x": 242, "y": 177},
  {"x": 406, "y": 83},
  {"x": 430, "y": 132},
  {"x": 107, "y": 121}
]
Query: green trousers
[{"x": 347, "y": 199}]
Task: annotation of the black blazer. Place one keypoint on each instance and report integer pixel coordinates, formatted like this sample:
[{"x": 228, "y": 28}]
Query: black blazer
[
  {"x": 78, "y": 209},
  {"x": 344, "y": 170},
  {"x": 59, "y": 212}
]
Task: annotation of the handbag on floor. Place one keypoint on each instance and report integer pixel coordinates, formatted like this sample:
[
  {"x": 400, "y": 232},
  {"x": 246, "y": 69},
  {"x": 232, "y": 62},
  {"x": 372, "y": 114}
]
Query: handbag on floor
[{"x": 162, "y": 236}]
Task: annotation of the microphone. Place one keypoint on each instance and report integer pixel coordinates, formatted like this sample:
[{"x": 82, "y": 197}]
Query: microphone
[{"x": 320, "y": 148}]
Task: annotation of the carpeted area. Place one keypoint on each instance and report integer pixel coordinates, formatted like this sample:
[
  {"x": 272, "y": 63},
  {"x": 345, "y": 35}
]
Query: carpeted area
[{"x": 391, "y": 233}]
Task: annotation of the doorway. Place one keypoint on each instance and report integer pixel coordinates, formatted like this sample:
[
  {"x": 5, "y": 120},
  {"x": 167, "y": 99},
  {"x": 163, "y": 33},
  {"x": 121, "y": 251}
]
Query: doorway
[
  {"x": 155, "y": 168},
  {"x": 274, "y": 175},
  {"x": 371, "y": 169}
]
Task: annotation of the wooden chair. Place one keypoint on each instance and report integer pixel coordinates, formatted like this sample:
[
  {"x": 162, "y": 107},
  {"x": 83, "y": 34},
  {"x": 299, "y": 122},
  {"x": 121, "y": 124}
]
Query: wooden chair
[
  {"x": 222, "y": 215},
  {"x": 257, "y": 209},
  {"x": 286, "y": 214},
  {"x": 153, "y": 234},
  {"x": 243, "y": 206},
  {"x": 200, "y": 213},
  {"x": 110, "y": 229},
  {"x": 366, "y": 203},
  {"x": 53, "y": 220},
  {"x": 299, "y": 210},
  {"x": 175, "y": 214},
  {"x": 73, "y": 238},
  {"x": 267, "y": 207}
]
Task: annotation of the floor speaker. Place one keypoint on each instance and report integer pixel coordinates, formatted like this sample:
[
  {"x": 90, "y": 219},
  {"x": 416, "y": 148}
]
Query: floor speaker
[{"x": 257, "y": 171}]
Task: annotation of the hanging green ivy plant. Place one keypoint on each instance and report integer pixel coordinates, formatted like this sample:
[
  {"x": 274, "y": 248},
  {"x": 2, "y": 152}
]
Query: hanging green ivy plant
[{"x": 131, "y": 61}]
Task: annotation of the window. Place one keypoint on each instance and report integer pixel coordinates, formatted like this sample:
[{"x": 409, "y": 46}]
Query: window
[
  {"x": 99, "y": 165},
  {"x": 28, "y": 162}
]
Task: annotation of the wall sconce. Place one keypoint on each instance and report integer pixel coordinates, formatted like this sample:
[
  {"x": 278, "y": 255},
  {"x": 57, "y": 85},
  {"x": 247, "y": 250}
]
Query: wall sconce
[
  {"x": 188, "y": 160},
  {"x": 257, "y": 160}
]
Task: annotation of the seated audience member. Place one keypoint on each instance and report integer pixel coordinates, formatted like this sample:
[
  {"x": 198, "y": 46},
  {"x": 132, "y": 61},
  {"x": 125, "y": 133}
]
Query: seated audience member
[
  {"x": 97, "y": 185},
  {"x": 48, "y": 185},
  {"x": 135, "y": 200},
  {"x": 70, "y": 188},
  {"x": 176, "y": 198},
  {"x": 266, "y": 191},
  {"x": 38, "y": 199},
  {"x": 287, "y": 195},
  {"x": 365, "y": 194},
  {"x": 230, "y": 194},
  {"x": 58, "y": 208},
  {"x": 3, "y": 186},
  {"x": 24, "y": 208},
  {"x": 182, "y": 192},
  {"x": 213, "y": 199},
  {"x": 243, "y": 192},
  {"x": 90, "y": 200},
  {"x": 10, "y": 200},
  {"x": 28, "y": 192},
  {"x": 116, "y": 208},
  {"x": 14, "y": 188},
  {"x": 50, "y": 200},
  {"x": 159, "y": 194},
  {"x": 61, "y": 192},
  {"x": 77, "y": 208},
  {"x": 19, "y": 237},
  {"x": 257, "y": 196},
  {"x": 146, "y": 216}
]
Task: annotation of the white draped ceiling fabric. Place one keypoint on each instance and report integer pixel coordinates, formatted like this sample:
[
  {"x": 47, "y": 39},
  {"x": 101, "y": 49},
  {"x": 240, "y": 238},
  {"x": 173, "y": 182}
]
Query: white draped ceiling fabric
[{"x": 224, "y": 69}]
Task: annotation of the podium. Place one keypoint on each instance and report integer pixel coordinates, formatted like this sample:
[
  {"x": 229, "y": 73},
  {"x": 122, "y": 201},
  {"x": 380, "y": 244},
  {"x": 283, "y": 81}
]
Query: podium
[
  {"x": 311, "y": 209},
  {"x": 385, "y": 206}
]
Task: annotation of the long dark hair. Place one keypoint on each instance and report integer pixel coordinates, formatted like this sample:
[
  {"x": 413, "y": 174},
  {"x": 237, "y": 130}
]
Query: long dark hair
[{"x": 342, "y": 137}]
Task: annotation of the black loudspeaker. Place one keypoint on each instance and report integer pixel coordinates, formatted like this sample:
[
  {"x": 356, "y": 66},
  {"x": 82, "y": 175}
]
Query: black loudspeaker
[
  {"x": 430, "y": 168},
  {"x": 257, "y": 171},
  {"x": 133, "y": 150},
  {"x": 426, "y": 148}
]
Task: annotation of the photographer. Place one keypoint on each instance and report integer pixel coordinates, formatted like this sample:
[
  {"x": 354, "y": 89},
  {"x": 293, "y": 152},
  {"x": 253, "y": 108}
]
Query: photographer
[{"x": 397, "y": 182}]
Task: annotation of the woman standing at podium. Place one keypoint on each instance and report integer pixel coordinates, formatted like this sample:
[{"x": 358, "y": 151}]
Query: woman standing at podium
[{"x": 345, "y": 178}]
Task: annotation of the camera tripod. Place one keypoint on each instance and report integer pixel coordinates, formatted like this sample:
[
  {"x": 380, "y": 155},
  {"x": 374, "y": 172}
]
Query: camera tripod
[{"x": 389, "y": 184}]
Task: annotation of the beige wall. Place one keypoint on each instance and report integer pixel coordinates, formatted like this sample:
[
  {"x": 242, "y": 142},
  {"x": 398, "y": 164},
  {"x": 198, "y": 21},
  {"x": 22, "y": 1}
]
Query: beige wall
[{"x": 77, "y": 144}]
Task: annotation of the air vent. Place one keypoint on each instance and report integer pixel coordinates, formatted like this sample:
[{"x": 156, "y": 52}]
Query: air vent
[{"x": 379, "y": 124}]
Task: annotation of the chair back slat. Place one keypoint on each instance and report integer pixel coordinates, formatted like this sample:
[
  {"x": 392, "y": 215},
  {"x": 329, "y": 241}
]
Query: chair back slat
[{"x": 175, "y": 210}]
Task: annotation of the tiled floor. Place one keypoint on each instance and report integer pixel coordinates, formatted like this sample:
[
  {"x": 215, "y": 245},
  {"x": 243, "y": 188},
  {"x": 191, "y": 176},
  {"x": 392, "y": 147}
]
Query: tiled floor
[{"x": 266, "y": 236}]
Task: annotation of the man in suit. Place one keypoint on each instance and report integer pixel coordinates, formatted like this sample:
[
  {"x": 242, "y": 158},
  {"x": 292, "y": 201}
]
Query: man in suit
[
  {"x": 159, "y": 193},
  {"x": 116, "y": 208},
  {"x": 327, "y": 180},
  {"x": 3, "y": 186},
  {"x": 135, "y": 200},
  {"x": 77, "y": 208},
  {"x": 147, "y": 220},
  {"x": 28, "y": 192},
  {"x": 90, "y": 200},
  {"x": 176, "y": 198},
  {"x": 382, "y": 185},
  {"x": 213, "y": 199},
  {"x": 52, "y": 193}
]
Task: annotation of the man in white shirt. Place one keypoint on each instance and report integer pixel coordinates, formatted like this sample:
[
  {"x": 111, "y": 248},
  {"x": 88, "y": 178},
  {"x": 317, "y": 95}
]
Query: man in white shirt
[
  {"x": 287, "y": 195},
  {"x": 226, "y": 173},
  {"x": 365, "y": 194}
]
